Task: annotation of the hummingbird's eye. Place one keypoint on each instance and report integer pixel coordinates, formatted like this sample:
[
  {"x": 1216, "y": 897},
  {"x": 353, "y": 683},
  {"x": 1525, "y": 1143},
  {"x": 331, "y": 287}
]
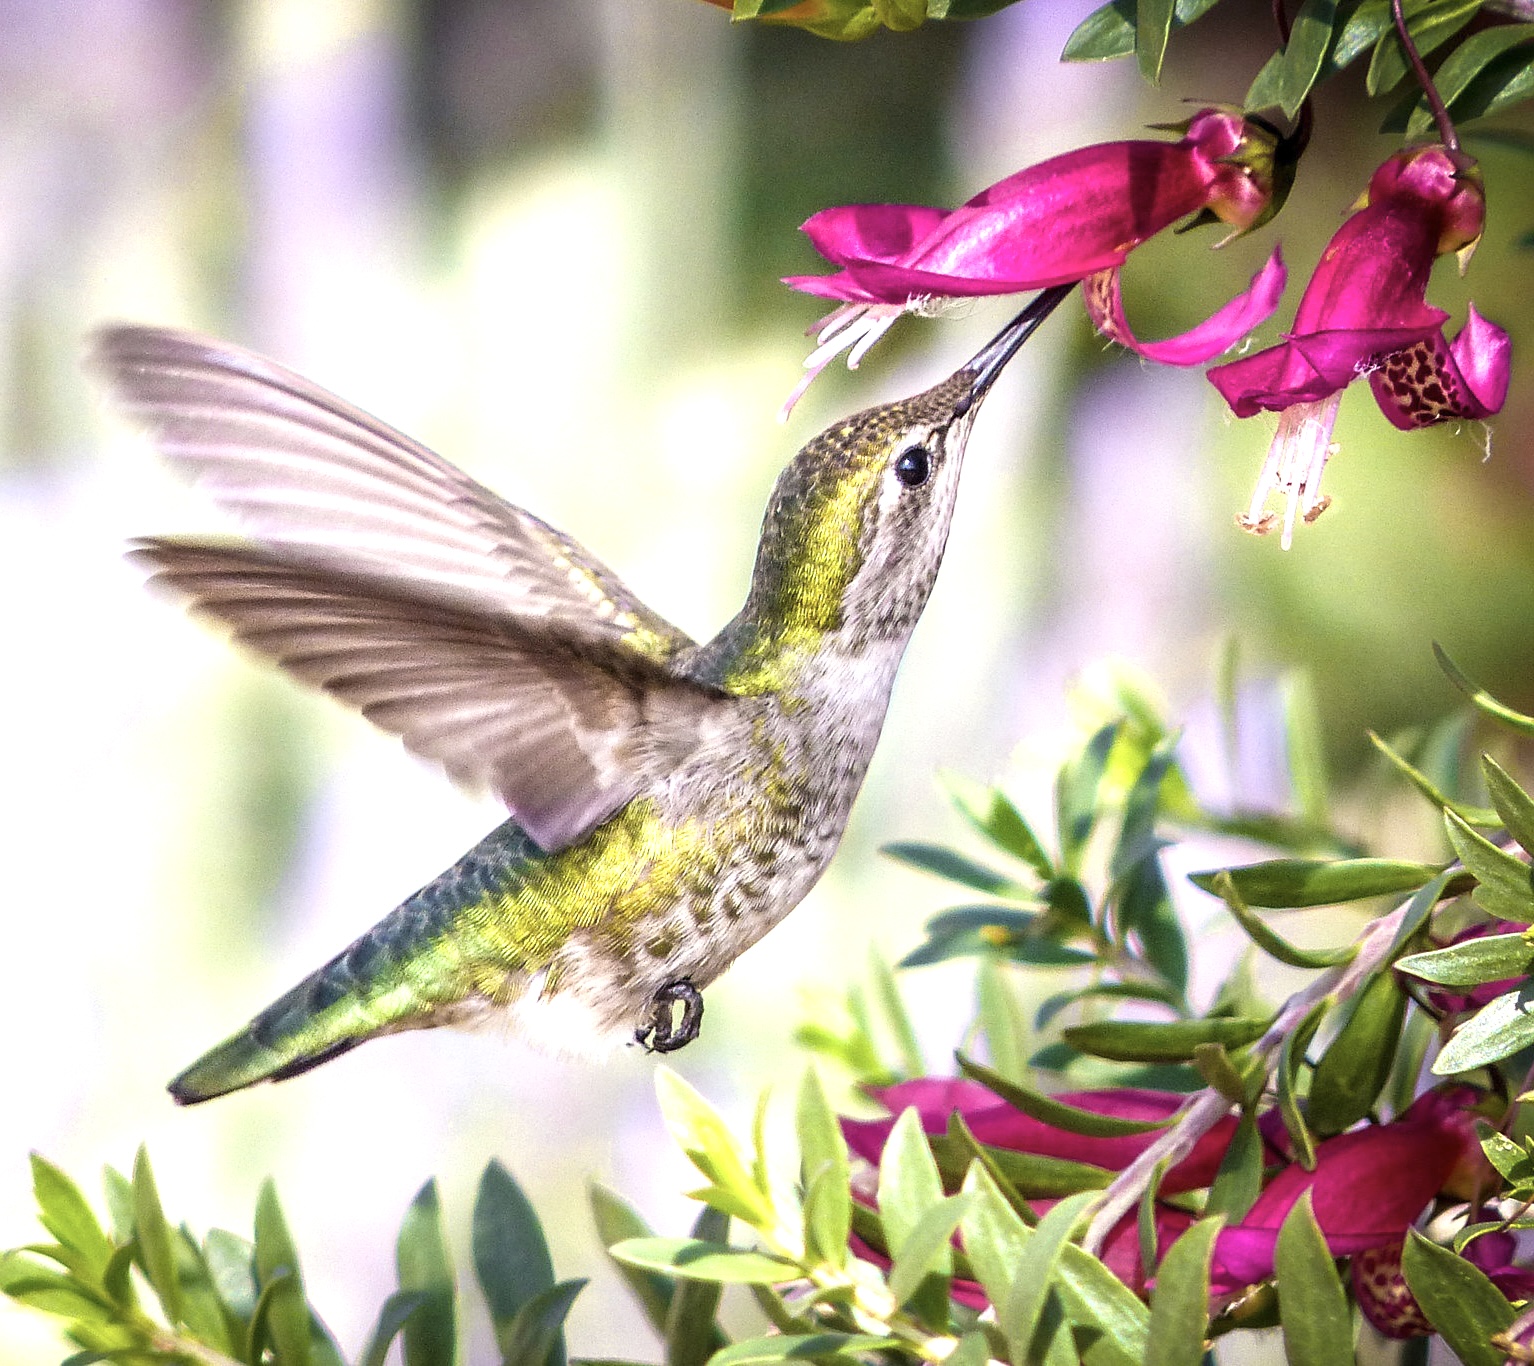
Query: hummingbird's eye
[{"x": 913, "y": 467}]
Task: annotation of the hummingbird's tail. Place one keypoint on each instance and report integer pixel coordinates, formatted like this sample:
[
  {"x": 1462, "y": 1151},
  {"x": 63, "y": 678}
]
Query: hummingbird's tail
[{"x": 397, "y": 976}]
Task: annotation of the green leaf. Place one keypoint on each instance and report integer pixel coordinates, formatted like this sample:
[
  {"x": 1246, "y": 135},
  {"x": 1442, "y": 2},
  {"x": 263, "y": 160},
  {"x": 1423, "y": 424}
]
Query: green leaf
[
  {"x": 1002, "y": 1022},
  {"x": 1020, "y": 1315},
  {"x": 1174, "y": 1040},
  {"x": 995, "y": 816},
  {"x": 537, "y": 1331},
  {"x": 63, "y": 1211},
  {"x": 1501, "y": 1028},
  {"x": 1506, "y": 890},
  {"x": 1051, "y": 1007},
  {"x": 909, "y": 1186},
  {"x": 887, "y": 995},
  {"x": 925, "y": 1249},
  {"x": 703, "y": 1136},
  {"x": 201, "y": 1309},
  {"x": 1430, "y": 29},
  {"x": 805, "y": 1347},
  {"x": 692, "y": 1335},
  {"x": 1473, "y": 815},
  {"x": 1268, "y": 940},
  {"x": 826, "y": 1174},
  {"x": 511, "y": 1256},
  {"x": 1318, "y": 1323},
  {"x": 1285, "y": 81},
  {"x": 424, "y": 1265},
  {"x": 1076, "y": 791},
  {"x": 617, "y": 1221},
  {"x": 1304, "y": 745},
  {"x": 1239, "y": 1180},
  {"x": 1290, "y": 1062},
  {"x": 1055, "y": 1113},
  {"x": 1110, "y": 32},
  {"x": 1355, "y": 1067},
  {"x": 1153, "y": 27},
  {"x": 696, "y": 1260},
  {"x": 1288, "y": 884},
  {"x": 154, "y": 1238},
  {"x": 1514, "y": 805},
  {"x": 1179, "y": 1313},
  {"x": 391, "y": 1318},
  {"x": 1458, "y": 1299},
  {"x": 281, "y": 1311},
  {"x": 1490, "y": 71},
  {"x": 953, "y": 866},
  {"x": 232, "y": 1268},
  {"x": 1474, "y": 961},
  {"x": 1479, "y": 697}
]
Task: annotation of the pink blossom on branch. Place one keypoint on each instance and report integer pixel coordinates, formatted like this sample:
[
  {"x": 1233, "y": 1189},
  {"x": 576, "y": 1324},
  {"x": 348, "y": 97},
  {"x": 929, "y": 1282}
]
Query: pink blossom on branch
[
  {"x": 1073, "y": 217},
  {"x": 1365, "y": 312}
]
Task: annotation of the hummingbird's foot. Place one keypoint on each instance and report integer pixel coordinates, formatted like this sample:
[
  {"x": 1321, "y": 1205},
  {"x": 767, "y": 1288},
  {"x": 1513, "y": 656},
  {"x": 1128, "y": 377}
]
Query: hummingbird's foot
[{"x": 663, "y": 1034}]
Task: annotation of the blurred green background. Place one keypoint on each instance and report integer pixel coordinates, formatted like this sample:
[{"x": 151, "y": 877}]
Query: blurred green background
[{"x": 544, "y": 236}]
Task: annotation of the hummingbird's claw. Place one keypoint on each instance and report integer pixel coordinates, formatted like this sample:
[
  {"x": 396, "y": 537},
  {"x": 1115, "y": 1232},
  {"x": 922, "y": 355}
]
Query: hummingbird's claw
[{"x": 659, "y": 1036}]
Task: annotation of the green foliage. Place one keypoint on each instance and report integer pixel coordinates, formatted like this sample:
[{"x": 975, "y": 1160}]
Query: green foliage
[{"x": 228, "y": 1300}]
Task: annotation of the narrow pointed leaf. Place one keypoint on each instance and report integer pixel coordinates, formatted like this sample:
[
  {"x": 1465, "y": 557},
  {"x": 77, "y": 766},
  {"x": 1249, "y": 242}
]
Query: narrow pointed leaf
[
  {"x": 703, "y": 1136},
  {"x": 537, "y": 1332},
  {"x": 1175, "y": 1040},
  {"x": 391, "y": 1318},
  {"x": 1472, "y": 815},
  {"x": 1053, "y": 1112},
  {"x": 1473, "y": 961},
  {"x": 1269, "y": 940},
  {"x": 64, "y": 1212},
  {"x": 1506, "y": 888},
  {"x": 692, "y": 1336},
  {"x": 1033, "y": 1276},
  {"x": 953, "y": 866},
  {"x": 1076, "y": 789},
  {"x": 1003, "y": 1023},
  {"x": 807, "y": 1347},
  {"x": 154, "y": 1238},
  {"x": 1179, "y": 1313},
  {"x": 1501, "y": 1028},
  {"x": 1514, "y": 805},
  {"x": 892, "y": 1006},
  {"x": 1290, "y": 1064},
  {"x": 694, "y": 1259},
  {"x": 1458, "y": 1299},
  {"x": 617, "y": 1221},
  {"x": 909, "y": 1186},
  {"x": 994, "y": 815},
  {"x": 424, "y": 1265},
  {"x": 1153, "y": 26},
  {"x": 1318, "y": 1324},
  {"x": 1306, "y": 750},
  {"x": 826, "y": 1175},
  {"x": 1356, "y": 1065},
  {"x": 1478, "y": 695},
  {"x": 232, "y": 1267},
  {"x": 282, "y": 1310},
  {"x": 510, "y": 1253},
  {"x": 1283, "y": 884},
  {"x": 1239, "y": 1180},
  {"x": 925, "y": 1250}
]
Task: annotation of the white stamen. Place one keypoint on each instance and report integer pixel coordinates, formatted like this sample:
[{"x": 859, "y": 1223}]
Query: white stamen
[{"x": 1296, "y": 460}]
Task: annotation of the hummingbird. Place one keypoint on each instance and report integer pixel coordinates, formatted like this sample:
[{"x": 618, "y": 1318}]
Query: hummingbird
[{"x": 669, "y": 801}]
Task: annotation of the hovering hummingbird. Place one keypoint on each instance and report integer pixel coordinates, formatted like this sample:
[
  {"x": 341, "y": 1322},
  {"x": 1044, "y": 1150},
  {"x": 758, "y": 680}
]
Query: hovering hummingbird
[{"x": 670, "y": 802}]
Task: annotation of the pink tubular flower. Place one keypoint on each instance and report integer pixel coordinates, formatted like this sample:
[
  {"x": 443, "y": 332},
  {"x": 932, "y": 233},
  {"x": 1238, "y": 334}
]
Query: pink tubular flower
[
  {"x": 1367, "y": 1189},
  {"x": 998, "y": 1125},
  {"x": 1365, "y": 312},
  {"x": 1073, "y": 217}
]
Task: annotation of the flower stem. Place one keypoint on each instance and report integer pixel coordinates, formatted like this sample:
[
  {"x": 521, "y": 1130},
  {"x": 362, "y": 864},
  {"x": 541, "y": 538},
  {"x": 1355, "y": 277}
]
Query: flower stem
[
  {"x": 1446, "y": 131},
  {"x": 1206, "y": 1109}
]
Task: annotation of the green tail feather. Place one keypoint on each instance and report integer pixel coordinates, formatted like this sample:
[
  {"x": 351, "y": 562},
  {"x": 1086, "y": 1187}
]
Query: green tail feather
[{"x": 407, "y": 972}]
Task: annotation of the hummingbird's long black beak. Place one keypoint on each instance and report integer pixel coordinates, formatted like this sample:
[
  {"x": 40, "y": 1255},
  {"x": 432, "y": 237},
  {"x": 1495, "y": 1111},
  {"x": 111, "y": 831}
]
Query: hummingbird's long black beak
[{"x": 992, "y": 358}]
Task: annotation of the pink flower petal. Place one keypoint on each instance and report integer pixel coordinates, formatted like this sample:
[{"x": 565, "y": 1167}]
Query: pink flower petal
[
  {"x": 1215, "y": 334},
  {"x": 1437, "y": 381},
  {"x": 870, "y": 232},
  {"x": 1367, "y": 1189}
]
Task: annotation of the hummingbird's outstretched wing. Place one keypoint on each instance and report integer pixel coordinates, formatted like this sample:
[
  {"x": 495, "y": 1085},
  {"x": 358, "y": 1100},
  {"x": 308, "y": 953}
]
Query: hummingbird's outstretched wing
[
  {"x": 295, "y": 465},
  {"x": 486, "y": 639},
  {"x": 563, "y": 727}
]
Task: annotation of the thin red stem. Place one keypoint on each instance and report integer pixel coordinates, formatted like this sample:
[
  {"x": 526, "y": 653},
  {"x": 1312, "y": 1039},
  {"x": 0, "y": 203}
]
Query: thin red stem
[{"x": 1446, "y": 132}]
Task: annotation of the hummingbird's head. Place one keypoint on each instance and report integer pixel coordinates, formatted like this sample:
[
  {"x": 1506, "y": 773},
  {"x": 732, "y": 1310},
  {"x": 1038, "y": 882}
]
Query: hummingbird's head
[{"x": 858, "y": 522}]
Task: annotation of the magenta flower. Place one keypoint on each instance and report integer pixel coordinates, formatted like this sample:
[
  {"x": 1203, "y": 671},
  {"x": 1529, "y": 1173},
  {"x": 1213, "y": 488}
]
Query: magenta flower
[
  {"x": 1073, "y": 217},
  {"x": 998, "y": 1125},
  {"x": 1365, "y": 312},
  {"x": 1367, "y": 1189},
  {"x": 1379, "y": 1285}
]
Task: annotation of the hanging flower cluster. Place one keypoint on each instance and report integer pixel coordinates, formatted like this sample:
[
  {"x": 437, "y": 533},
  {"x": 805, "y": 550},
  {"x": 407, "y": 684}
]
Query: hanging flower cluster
[
  {"x": 1077, "y": 217},
  {"x": 1367, "y": 1187}
]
